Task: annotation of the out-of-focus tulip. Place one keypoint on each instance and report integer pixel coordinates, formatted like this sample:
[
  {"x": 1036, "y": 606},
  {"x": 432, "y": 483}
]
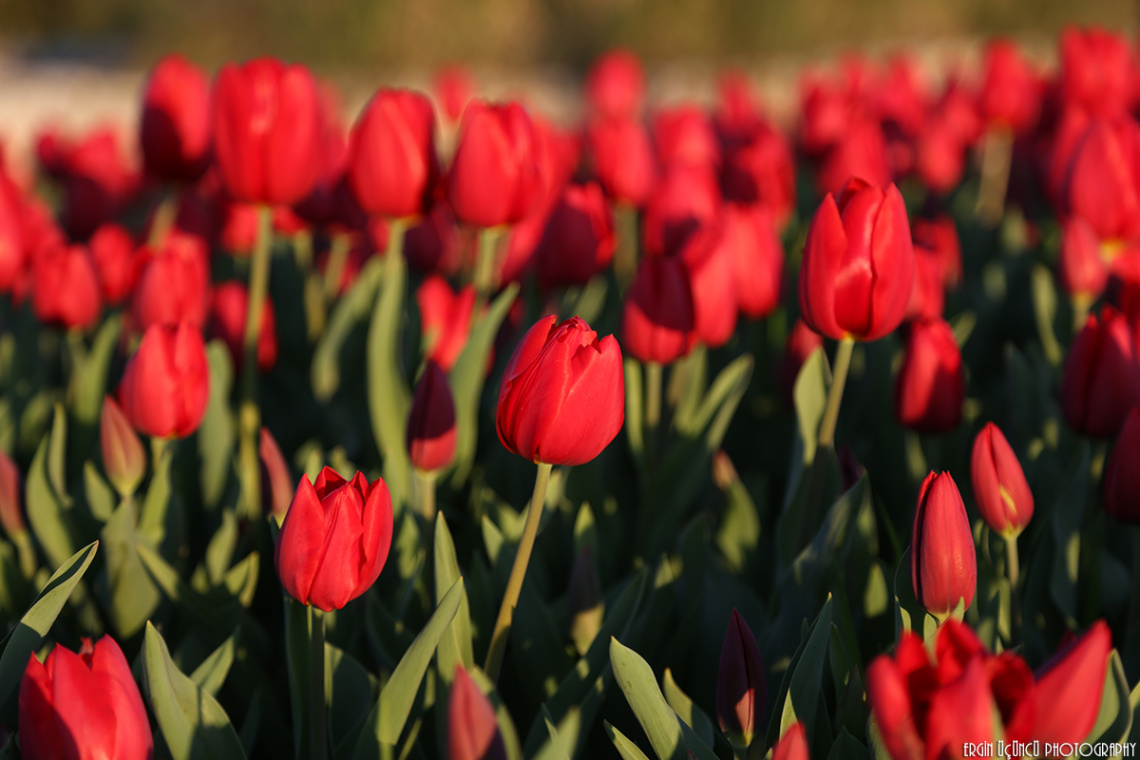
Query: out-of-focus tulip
[
  {"x": 615, "y": 85},
  {"x": 1096, "y": 71},
  {"x": 1102, "y": 184},
  {"x": 712, "y": 281},
  {"x": 1122, "y": 475},
  {"x": 123, "y": 457},
  {"x": 740, "y": 683},
  {"x": 11, "y": 514},
  {"x": 175, "y": 128},
  {"x": 931, "y": 384},
  {"x": 493, "y": 178},
  {"x": 174, "y": 285},
  {"x": 762, "y": 171},
  {"x": 1080, "y": 269},
  {"x": 792, "y": 745},
  {"x": 622, "y": 158},
  {"x": 431, "y": 421},
  {"x": 229, "y": 303},
  {"x": 927, "y": 299},
  {"x": 943, "y": 562},
  {"x": 1011, "y": 91},
  {"x": 117, "y": 261},
  {"x": 334, "y": 540},
  {"x": 684, "y": 135},
  {"x": 14, "y": 241},
  {"x": 330, "y": 203},
  {"x": 433, "y": 244},
  {"x": 1070, "y": 687},
  {"x": 75, "y": 706},
  {"x": 579, "y": 241},
  {"x": 1101, "y": 380},
  {"x": 445, "y": 319},
  {"x": 686, "y": 198},
  {"x": 563, "y": 394},
  {"x": 739, "y": 113},
  {"x": 276, "y": 480},
  {"x": 472, "y": 731},
  {"x": 452, "y": 86},
  {"x": 98, "y": 181},
  {"x": 940, "y": 156},
  {"x": 941, "y": 236},
  {"x": 167, "y": 382},
  {"x": 267, "y": 131},
  {"x": 861, "y": 151},
  {"x": 1000, "y": 488},
  {"x": 757, "y": 258},
  {"x": 392, "y": 164},
  {"x": 858, "y": 264},
  {"x": 65, "y": 287},
  {"x": 657, "y": 319},
  {"x": 802, "y": 342}
]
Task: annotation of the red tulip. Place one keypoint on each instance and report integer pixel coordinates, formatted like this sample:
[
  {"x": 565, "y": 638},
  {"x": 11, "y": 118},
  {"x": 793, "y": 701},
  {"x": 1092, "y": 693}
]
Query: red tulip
[
  {"x": 175, "y": 128},
  {"x": 445, "y": 319},
  {"x": 941, "y": 236},
  {"x": 433, "y": 244},
  {"x": 1096, "y": 71},
  {"x": 711, "y": 267},
  {"x": 11, "y": 515},
  {"x": 615, "y": 85},
  {"x": 334, "y": 540},
  {"x": 452, "y": 86},
  {"x": 174, "y": 285},
  {"x": 392, "y": 165},
  {"x": 931, "y": 385},
  {"x": 563, "y": 394},
  {"x": 493, "y": 179},
  {"x": 98, "y": 181},
  {"x": 801, "y": 342},
  {"x": 117, "y": 261},
  {"x": 961, "y": 713},
  {"x": 579, "y": 240},
  {"x": 1102, "y": 184},
  {"x": 739, "y": 113},
  {"x": 83, "y": 706},
  {"x": 330, "y": 203},
  {"x": 927, "y": 299},
  {"x": 1011, "y": 92},
  {"x": 229, "y": 304},
  {"x": 944, "y": 566},
  {"x": 686, "y": 198},
  {"x": 792, "y": 745},
  {"x": 623, "y": 158},
  {"x": 741, "y": 688},
  {"x": 1000, "y": 488},
  {"x": 1080, "y": 269},
  {"x": 123, "y": 457},
  {"x": 861, "y": 151},
  {"x": 276, "y": 480},
  {"x": 684, "y": 135},
  {"x": 14, "y": 233},
  {"x": 1121, "y": 475},
  {"x": 1070, "y": 686},
  {"x": 1101, "y": 380},
  {"x": 431, "y": 422},
  {"x": 166, "y": 383},
  {"x": 940, "y": 156},
  {"x": 65, "y": 287},
  {"x": 267, "y": 130},
  {"x": 762, "y": 171},
  {"x": 858, "y": 264},
  {"x": 757, "y": 255},
  {"x": 657, "y": 319},
  {"x": 472, "y": 731}
]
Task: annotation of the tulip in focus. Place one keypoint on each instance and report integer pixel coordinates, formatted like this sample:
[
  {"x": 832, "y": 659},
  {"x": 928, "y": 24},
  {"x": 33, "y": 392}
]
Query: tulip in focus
[
  {"x": 931, "y": 386},
  {"x": 944, "y": 565},
  {"x": 1101, "y": 380},
  {"x": 472, "y": 731},
  {"x": 1000, "y": 488},
  {"x": 166, "y": 384},
  {"x": 431, "y": 422},
  {"x": 175, "y": 128},
  {"x": 493, "y": 178},
  {"x": 741, "y": 688},
  {"x": 123, "y": 457}
]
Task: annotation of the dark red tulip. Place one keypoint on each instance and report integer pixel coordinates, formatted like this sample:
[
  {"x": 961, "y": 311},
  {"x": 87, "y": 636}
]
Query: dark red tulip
[
  {"x": 761, "y": 171},
  {"x": 741, "y": 688},
  {"x": 739, "y": 113},
  {"x": 657, "y": 319},
  {"x": 173, "y": 285},
  {"x": 686, "y": 198},
  {"x": 1122, "y": 475},
  {"x": 166, "y": 383},
  {"x": 901, "y": 96},
  {"x": 431, "y": 422},
  {"x": 622, "y": 158},
  {"x": 1102, "y": 185},
  {"x": 331, "y": 202},
  {"x": 334, "y": 540},
  {"x": 757, "y": 257},
  {"x": 98, "y": 181},
  {"x": 392, "y": 164},
  {"x": 493, "y": 178},
  {"x": 445, "y": 319},
  {"x": 1010, "y": 98},
  {"x": 433, "y": 244},
  {"x": 76, "y": 706},
  {"x": 1004, "y": 499},
  {"x": 124, "y": 460},
  {"x": 1101, "y": 381},
  {"x": 615, "y": 85},
  {"x": 1081, "y": 270},
  {"x": 563, "y": 394},
  {"x": 943, "y": 562},
  {"x": 1070, "y": 687},
  {"x": 928, "y": 298},
  {"x": 276, "y": 480},
  {"x": 858, "y": 264},
  {"x": 175, "y": 128},
  {"x": 267, "y": 131},
  {"x": 472, "y": 730},
  {"x": 229, "y": 304},
  {"x": 65, "y": 287},
  {"x": 709, "y": 261},
  {"x": 1096, "y": 71},
  {"x": 684, "y": 135},
  {"x": 931, "y": 385},
  {"x": 11, "y": 514},
  {"x": 579, "y": 240},
  {"x": 117, "y": 261}
]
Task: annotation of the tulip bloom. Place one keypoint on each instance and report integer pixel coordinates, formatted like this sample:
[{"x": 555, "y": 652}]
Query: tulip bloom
[
  {"x": 740, "y": 685},
  {"x": 392, "y": 164},
  {"x": 493, "y": 179},
  {"x": 563, "y": 394},
  {"x": 123, "y": 457},
  {"x": 14, "y": 233},
  {"x": 622, "y": 159},
  {"x": 686, "y": 198},
  {"x": 167, "y": 382},
  {"x": 1122, "y": 475},
  {"x": 175, "y": 128},
  {"x": 267, "y": 129},
  {"x": 1102, "y": 179},
  {"x": 943, "y": 562},
  {"x": 431, "y": 422},
  {"x": 229, "y": 304},
  {"x": 757, "y": 258},
  {"x": 927, "y": 299},
  {"x": 931, "y": 385},
  {"x": 65, "y": 287},
  {"x": 445, "y": 319},
  {"x": 711, "y": 268},
  {"x": 472, "y": 731},
  {"x": 1081, "y": 270},
  {"x": 85, "y": 705},
  {"x": 684, "y": 136},
  {"x": 1011, "y": 91},
  {"x": 615, "y": 85},
  {"x": 334, "y": 540},
  {"x": 941, "y": 236},
  {"x": 762, "y": 172},
  {"x": 858, "y": 264},
  {"x": 1071, "y": 685},
  {"x": 1096, "y": 71},
  {"x": 174, "y": 284},
  {"x": 117, "y": 261},
  {"x": 657, "y": 319},
  {"x": 1000, "y": 488},
  {"x": 579, "y": 240},
  {"x": 1101, "y": 380}
]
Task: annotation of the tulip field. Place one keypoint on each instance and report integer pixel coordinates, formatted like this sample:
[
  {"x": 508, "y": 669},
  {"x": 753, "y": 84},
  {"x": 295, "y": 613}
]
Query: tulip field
[{"x": 678, "y": 430}]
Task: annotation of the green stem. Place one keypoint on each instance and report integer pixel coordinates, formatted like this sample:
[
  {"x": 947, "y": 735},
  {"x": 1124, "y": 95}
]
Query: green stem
[
  {"x": 653, "y": 382},
  {"x": 485, "y": 266},
  {"x": 502, "y": 630},
  {"x": 425, "y": 493},
  {"x": 835, "y": 393},
  {"x": 158, "y": 447},
  {"x": 1014, "y": 569},
  {"x": 338, "y": 259},
  {"x": 164, "y": 218},
  {"x": 625, "y": 257},
  {"x": 997, "y": 150},
  {"x": 250, "y": 416},
  {"x": 318, "y": 744}
]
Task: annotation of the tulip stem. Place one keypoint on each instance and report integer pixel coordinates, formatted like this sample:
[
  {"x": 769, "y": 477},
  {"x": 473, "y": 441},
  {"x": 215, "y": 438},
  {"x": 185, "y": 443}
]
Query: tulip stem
[
  {"x": 997, "y": 149},
  {"x": 317, "y": 743},
  {"x": 835, "y": 393},
  {"x": 485, "y": 266},
  {"x": 1014, "y": 570},
  {"x": 338, "y": 259},
  {"x": 625, "y": 257},
  {"x": 653, "y": 382},
  {"x": 502, "y": 630},
  {"x": 250, "y": 417},
  {"x": 158, "y": 447},
  {"x": 425, "y": 492},
  {"x": 163, "y": 220}
]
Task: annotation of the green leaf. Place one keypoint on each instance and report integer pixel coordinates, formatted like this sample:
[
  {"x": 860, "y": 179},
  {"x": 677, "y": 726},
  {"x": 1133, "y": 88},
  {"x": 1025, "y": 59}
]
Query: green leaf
[
  {"x": 89, "y": 381},
  {"x": 847, "y": 747},
  {"x": 806, "y": 683},
  {"x": 1114, "y": 721},
  {"x": 48, "y": 506},
  {"x": 455, "y": 648},
  {"x": 910, "y": 615},
  {"x": 349, "y": 311},
  {"x": 1066, "y": 535},
  {"x": 192, "y": 722},
  {"x": 810, "y": 397},
  {"x": 687, "y": 710},
  {"x": 98, "y": 494},
  {"x": 131, "y": 594},
  {"x": 627, "y": 749},
  {"x": 217, "y": 434},
  {"x": 563, "y": 737},
  {"x": 211, "y": 673},
  {"x": 350, "y": 692}
]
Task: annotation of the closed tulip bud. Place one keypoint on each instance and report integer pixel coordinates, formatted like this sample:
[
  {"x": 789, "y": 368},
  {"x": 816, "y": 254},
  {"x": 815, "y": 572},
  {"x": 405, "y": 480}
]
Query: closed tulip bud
[
  {"x": 1102, "y": 181},
  {"x": 1071, "y": 685},
  {"x": 392, "y": 164},
  {"x": 445, "y": 319},
  {"x": 563, "y": 394},
  {"x": 117, "y": 261},
  {"x": 657, "y": 319},
  {"x": 229, "y": 304},
  {"x": 858, "y": 264},
  {"x": 615, "y": 85},
  {"x": 757, "y": 258},
  {"x": 1122, "y": 475},
  {"x": 175, "y": 128},
  {"x": 167, "y": 382},
  {"x": 11, "y": 515},
  {"x": 267, "y": 131},
  {"x": 493, "y": 179},
  {"x": 623, "y": 158},
  {"x": 1011, "y": 91},
  {"x": 792, "y": 745},
  {"x": 1000, "y": 488},
  {"x": 1096, "y": 71},
  {"x": 1080, "y": 269},
  {"x": 65, "y": 287},
  {"x": 84, "y": 705},
  {"x": 472, "y": 731},
  {"x": 123, "y": 457},
  {"x": 740, "y": 683},
  {"x": 431, "y": 422},
  {"x": 174, "y": 285},
  {"x": 931, "y": 384},
  {"x": 334, "y": 540},
  {"x": 684, "y": 135},
  {"x": 276, "y": 480},
  {"x": 579, "y": 240},
  {"x": 585, "y": 602},
  {"x": 943, "y": 563},
  {"x": 709, "y": 263},
  {"x": 927, "y": 299},
  {"x": 1101, "y": 380}
]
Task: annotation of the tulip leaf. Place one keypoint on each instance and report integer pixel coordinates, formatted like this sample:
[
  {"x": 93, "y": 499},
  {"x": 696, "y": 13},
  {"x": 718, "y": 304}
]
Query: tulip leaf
[
  {"x": 563, "y": 737},
  {"x": 687, "y": 383},
  {"x": 350, "y": 692},
  {"x": 89, "y": 379},
  {"x": 1066, "y": 535},
  {"x": 349, "y": 311},
  {"x": 467, "y": 378},
  {"x": 37, "y": 621},
  {"x": 627, "y": 749},
  {"x": 455, "y": 648},
  {"x": 192, "y": 722},
  {"x": 687, "y": 710},
  {"x": 131, "y": 594},
  {"x": 98, "y": 494},
  {"x": 211, "y": 672},
  {"x": 217, "y": 434},
  {"x": 910, "y": 615},
  {"x": 390, "y": 713},
  {"x": 847, "y": 747},
  {"x": 48, "y": 507},
  {"x": 803, "y": 681},
  {"x": 1114, "y": 721},
  {"x": 1044, "y": 294},
  {"x": 669, "y": 736},
  {"x": 810, "y": 397}
]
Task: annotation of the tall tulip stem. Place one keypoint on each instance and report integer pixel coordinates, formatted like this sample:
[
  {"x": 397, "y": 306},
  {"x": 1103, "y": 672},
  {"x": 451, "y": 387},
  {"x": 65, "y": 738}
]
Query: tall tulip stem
[
  {"x": 835, "y": 393},
  {"x": 250, "y": 417},
  {"x": 625, "y": 257},
  {"x": 318, "y": 744},
  {"x": 1013, "y": 567},
  {"x": 485, "y": 265},
  {"x": 502, "y": 630},
  {"x": 425, "y": 492}
]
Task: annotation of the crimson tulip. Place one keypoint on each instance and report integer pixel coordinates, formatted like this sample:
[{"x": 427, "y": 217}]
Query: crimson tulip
[
  {"x": 657, "y": 319},
  {"x": 452, "y": 87},
  {"x": 861, "y": 151},
  {"x": 14, "y": 233},
  {"x": 1102, "y": 182},
  {"x": 392, "y": 163},
  {"x": 741, "y": 688},
  {"x": 563, "y": 394},
  {"x": 174, "y": 131},
  {"x": 123, "y": 457},
  {"x": 445, "y": 319},
  {"x": 65, "y": 287},
  {"x": 684, "y": 135},
  {"x": 229, "y": 304},
  {"x": 711, "y": 269},
  {"x": 117, "y": 261},
  {"x": 1010, "y": 98},
  {"x": 622, "y": 158},
  {"x": 940, "y": 235},
  {"x": 1071, "y": 685},
  {"x": 1096, "y": 71},
  {"x": 98, "y": 181},
  {"x": 1101, "y": 380},
  {"x": 166, "y": 384},
  {"x": 493, "y": 179},
  {"x": 943, "y": 562},
  {"x": 761, "y": 171},
  {"x": 685, "y": 198},
  {"x": 431, "y": 433},
  {"x": 334, "y": 540},
  {"x": 757, "y": 255},
  {"x": 931, "y": 384},
  {"x": 927, "y": 298},
  {"x": 1000, "y": 488},
  {"x": 1122, "y": 475},
  {"x": 174, "y": 284},
  {"x": 472, "y": 731},
  {"x": 615, "y": 85},
  {"x": 1081, "y": 270},
  {"x": 579, "y": 240}
]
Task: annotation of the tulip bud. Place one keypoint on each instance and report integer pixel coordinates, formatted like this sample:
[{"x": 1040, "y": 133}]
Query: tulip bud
[
  {"x": 334, "y": 540},
  {"x": 740, "y": 683},
  {"x": 1101, "y": 380},
  {"x": 123, "y": 456},
  {"x": 445, "y": 319},
  {"x": 276, "y": 480},
  {"x": 174, "y": 285},
  {"x": 117, "y": 261},
  {"x": 585, "y": 602},
  {"x": 792, "y": 745},
  {"x": 931, "y": 385},
  {"x": 622, "y": 158},
  {"x": 563, "y": 394},
  {"x": 1080, "y": 269},
  {"x": 757, "y": 258},
  {"x": 615, "y": 85},
  {"x": 431, "y": 422},
  {"x": 472, "y": 731},
  {"x": 858, "y": 264},
  {"x": 493, "y": 179},
  {"x": 83, "y": 705},
  {"x": 1071, "y": 685},
  {"x": 1003, "y": 495},
  {"x": 943, "y": 563},
  {"x": 1011, "y": 93},
  {"x": 166, "y": 384},
  {"x": 1102, "y": 184},
  {"x": 11, "y": 515},
  {"x": 579, "y": 240},
  {"x": 684, "y": 136},
  {"x": 1096, "y": 71},
  {"x": 65, "y": 287},
  {"x": 174, "y": 131},
  {"x": 229, "y": 305},
  {"x": 657, "y": 319}
]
